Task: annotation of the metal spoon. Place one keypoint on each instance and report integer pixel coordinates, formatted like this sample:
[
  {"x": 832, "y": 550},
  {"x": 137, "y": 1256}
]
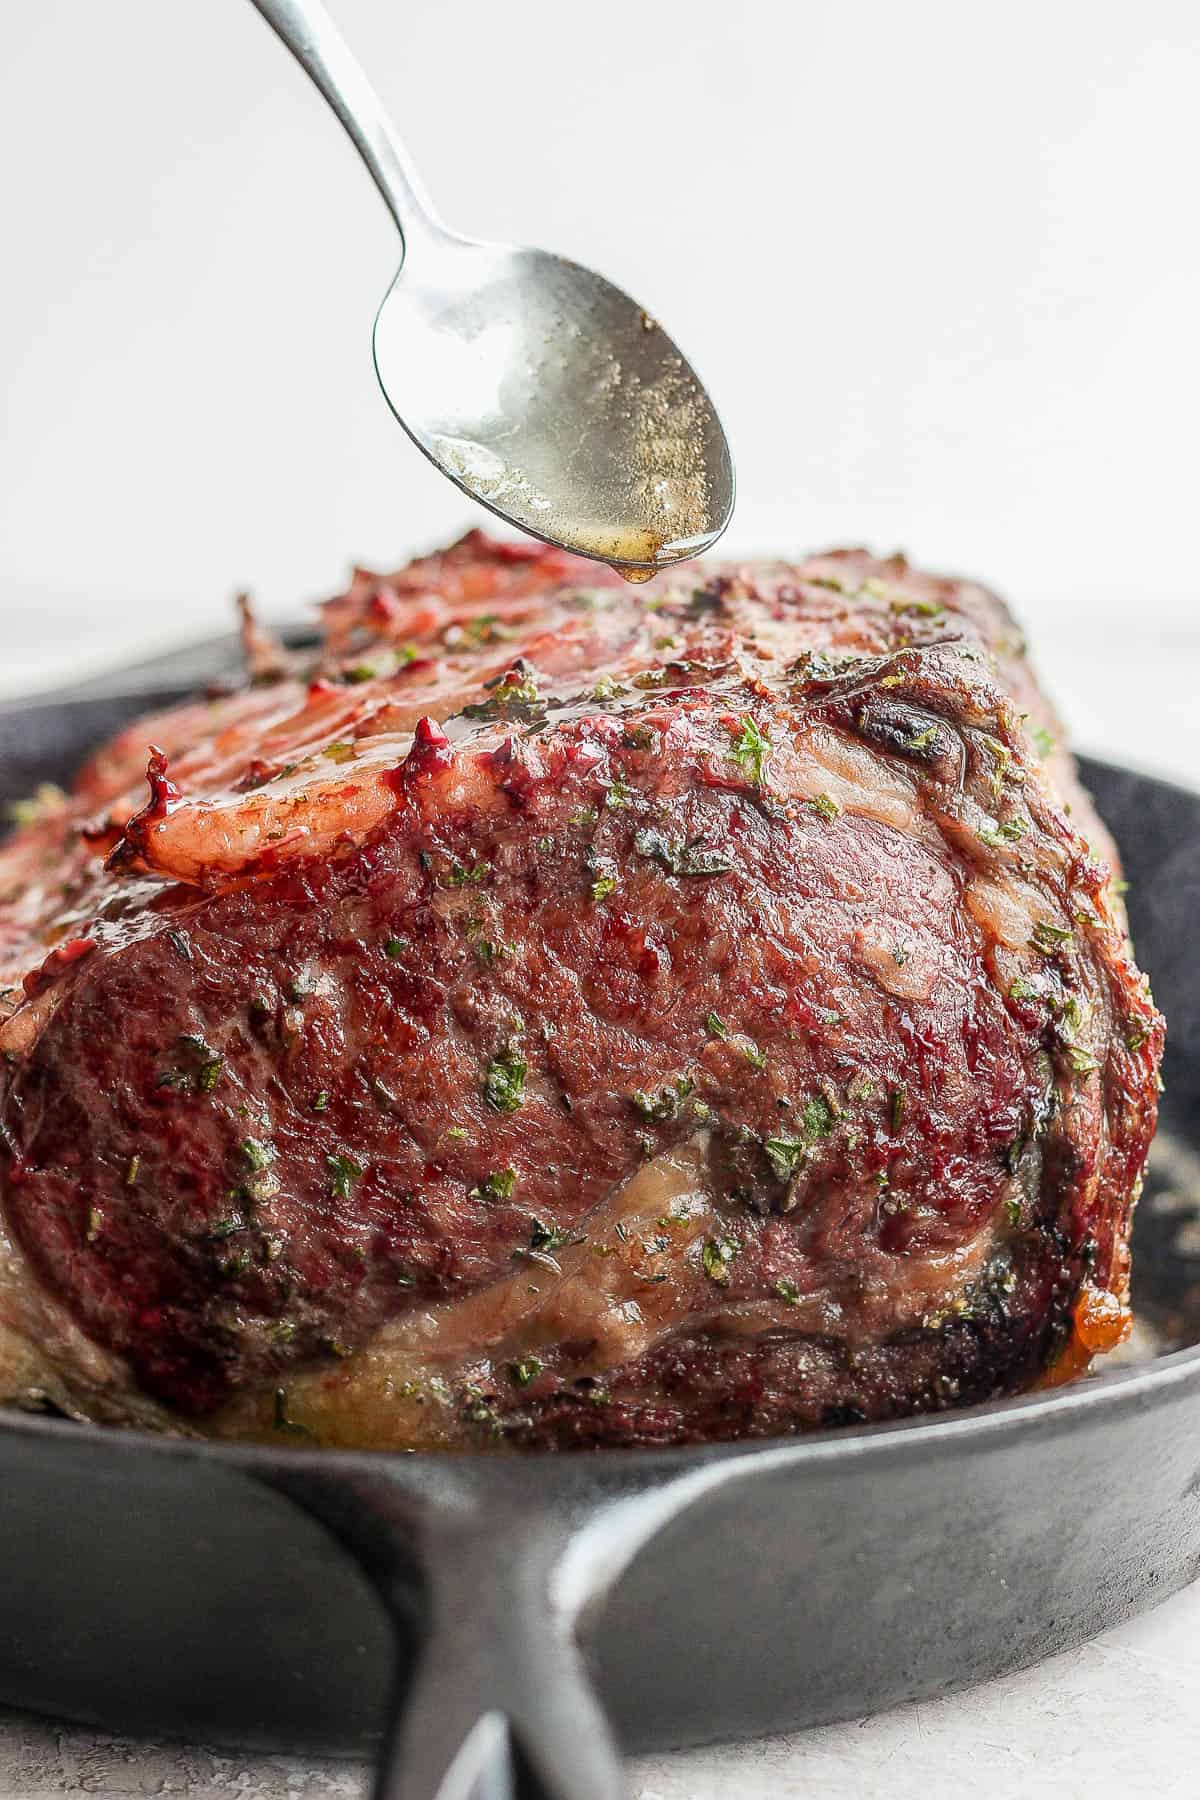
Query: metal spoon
[{"x": 539, "y": 388}]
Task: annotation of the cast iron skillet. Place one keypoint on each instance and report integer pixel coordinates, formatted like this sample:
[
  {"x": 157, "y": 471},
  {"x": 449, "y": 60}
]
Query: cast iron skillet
[{"x": 502, "y": 1624}]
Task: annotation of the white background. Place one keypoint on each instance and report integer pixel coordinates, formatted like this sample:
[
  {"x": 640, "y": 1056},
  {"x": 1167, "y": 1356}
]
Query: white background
[{"x": 940, "y": 264}]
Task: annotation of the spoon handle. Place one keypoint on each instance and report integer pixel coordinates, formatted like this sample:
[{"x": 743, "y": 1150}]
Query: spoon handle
[{"x": 319, "y": 47}]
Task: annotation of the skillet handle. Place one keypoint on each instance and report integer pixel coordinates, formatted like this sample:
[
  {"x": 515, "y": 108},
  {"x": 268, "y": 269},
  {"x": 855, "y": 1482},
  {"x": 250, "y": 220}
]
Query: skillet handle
[{"x": 499, "y": 1704}]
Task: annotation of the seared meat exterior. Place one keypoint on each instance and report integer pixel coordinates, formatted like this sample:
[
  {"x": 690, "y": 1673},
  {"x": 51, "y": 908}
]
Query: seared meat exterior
[{"x": 576, "y": 1016}]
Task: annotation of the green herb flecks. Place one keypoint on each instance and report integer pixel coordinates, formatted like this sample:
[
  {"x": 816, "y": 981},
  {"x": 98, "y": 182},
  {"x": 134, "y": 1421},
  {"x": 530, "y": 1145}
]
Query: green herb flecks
[
  {"x": 716, "y": 1025},
  {"x": 459, "y": 877},
  {"x": 997, "y": 836},
  {"x": 1002, "y": 767},
  {"x": 475, "y": 633},
  {"x": 1048, "y": 939},
  {"x": 514, "y": 695},
  {"x": 924, "y": 609},
  {"x": 546, "y": 1237},
  {"x": 256, "y": 1153},
  {"x": 786, "y": 1153},
  {"x": 344, "y": 1170},
  {"x": 787, "y": 1290},
  {"x": 479, "y": 1409},
  {"x": 750, "y": 750},
  {"x": 818, "y": 1118},
  {"x": 499, "y": 1185},
  {"x": 825, "y": 806},
  {"x": 717, "y": 1258},
  {"x": 504, "y": 1081},
  {"x": 527, "y": 1369},
  {"x": 206, "y": 1064},
  {"x": 667, "y": 1103},
  {"x": 686, "y": 858},
  {"x": 43, "y": 804}
]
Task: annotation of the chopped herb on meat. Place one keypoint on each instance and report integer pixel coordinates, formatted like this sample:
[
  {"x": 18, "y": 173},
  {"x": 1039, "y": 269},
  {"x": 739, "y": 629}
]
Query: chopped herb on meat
[
  {"x": 717, "y": 1257},
  {"x": 666, "y": 1103},
  {"x": 504, "y": 1081},
  {"x": 499, "y": 1185},
  {"x": 750, "y": 750},
  {"x": 688, "y": 859},
  {"x": 825, "y": 805},
  {"x": 344, "y": 1170}
]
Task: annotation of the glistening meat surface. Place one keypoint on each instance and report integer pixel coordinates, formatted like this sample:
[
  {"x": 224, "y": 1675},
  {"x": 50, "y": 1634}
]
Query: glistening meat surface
[{"x": 575, "y": 1016}]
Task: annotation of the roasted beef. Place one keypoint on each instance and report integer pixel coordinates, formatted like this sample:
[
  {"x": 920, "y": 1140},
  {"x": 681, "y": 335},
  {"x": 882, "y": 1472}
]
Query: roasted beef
[{"x": 569, "y": 1015}]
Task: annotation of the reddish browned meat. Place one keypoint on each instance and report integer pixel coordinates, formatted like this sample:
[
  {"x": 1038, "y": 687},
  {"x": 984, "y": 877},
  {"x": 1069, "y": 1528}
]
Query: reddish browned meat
[{"x": 585, "y": 1016}]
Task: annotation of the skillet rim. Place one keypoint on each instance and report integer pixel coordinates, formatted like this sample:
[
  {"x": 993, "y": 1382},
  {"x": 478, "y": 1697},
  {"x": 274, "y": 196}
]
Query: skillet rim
[{"x": 1012, "y": 1416}]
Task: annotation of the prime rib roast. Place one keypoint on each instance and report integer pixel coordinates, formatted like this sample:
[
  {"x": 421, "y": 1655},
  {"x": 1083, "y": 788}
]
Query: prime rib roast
[{"x": 555, "y": 1014}]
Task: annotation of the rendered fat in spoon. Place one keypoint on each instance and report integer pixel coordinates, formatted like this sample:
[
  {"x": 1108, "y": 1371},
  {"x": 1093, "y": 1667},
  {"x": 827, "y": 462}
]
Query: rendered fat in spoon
[{"x": 539, "y": 388}]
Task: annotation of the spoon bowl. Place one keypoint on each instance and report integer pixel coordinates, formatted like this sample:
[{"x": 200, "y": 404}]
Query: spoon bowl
[
  {"x": 553, "y": 399},
  {"x": 539, "y": 388}
]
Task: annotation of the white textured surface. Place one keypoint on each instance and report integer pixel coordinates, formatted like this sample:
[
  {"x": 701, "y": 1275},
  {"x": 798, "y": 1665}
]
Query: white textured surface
[{"x": 1120, "y": 1716}]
